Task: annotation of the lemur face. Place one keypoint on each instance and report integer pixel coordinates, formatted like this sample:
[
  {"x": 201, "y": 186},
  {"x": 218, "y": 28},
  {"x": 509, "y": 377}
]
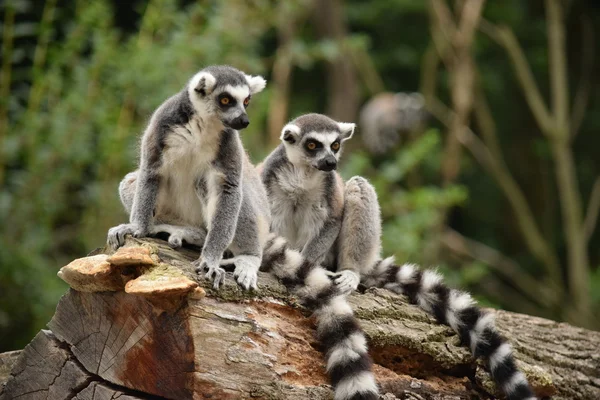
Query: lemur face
[
  {"x": 315, "y": 140},
  {"x": 225, "y": 92}
]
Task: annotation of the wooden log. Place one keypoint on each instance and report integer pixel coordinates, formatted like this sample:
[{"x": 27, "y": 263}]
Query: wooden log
[{"x": 146, "y": 327}]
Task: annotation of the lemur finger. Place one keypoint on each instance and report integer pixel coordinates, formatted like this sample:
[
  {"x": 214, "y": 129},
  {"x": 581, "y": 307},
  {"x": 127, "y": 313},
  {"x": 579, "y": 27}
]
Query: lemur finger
[
  {"x": 344, "y": 289},
  {"x": 199, "y": 266},
  {"x": 121, "y": 237},
  {"x": 110, "y": 238},
  {"x": 139, "y": 233},
  {"x": 247, "y": 279},
  {"x": 219, "y": 276}
]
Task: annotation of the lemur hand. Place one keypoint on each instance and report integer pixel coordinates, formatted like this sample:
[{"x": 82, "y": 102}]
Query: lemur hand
[
  {"x": 346, "y": 280},
  {"x": 246, "y": 271},
  {"x": 116, "y": 235},
  {"x": 213, "y": 272}
]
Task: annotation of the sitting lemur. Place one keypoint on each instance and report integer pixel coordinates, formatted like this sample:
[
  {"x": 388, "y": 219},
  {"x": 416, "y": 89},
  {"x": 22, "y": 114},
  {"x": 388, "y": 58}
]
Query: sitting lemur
[
  {"x": 338, "y": 225},
  {"x": 195, "y": 182}
]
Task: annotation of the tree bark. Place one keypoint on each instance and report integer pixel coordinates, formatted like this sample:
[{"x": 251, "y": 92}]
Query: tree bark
[
  {"x": 138, "y": 324},
  {"x": 342, "y": 89}
]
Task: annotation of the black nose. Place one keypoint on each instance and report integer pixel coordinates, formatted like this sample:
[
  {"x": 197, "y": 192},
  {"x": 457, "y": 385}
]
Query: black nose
[
  {"x": 328, "y": 164},
  {"x": 240, "y": 122}
]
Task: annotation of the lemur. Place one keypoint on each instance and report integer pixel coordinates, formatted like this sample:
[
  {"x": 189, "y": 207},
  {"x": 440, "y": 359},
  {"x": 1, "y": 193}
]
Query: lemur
[
  {"x": 195, "y": 175},
  {"x": 339, "y": 226},
  {"x": 391, "y": 119},
  {"x": 196, "y": 183}
]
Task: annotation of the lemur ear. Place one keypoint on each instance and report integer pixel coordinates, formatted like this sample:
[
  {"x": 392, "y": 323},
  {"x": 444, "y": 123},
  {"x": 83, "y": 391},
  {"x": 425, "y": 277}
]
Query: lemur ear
[
  {"x": 290, "y": 133},
  {"x": 347, "y": 129},
  {"x": 256, "y": 83},
  {"x": 203, "y": 83}
]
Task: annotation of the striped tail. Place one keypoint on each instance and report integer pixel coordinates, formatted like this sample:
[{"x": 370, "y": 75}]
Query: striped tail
[
  {"x": 458, "y": 310},
  {"x": 338, "y": 331}
]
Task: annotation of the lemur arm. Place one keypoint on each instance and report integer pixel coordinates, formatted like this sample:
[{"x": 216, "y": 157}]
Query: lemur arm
[
  {"x": 144, "y": 200},
  {"x": 226, "y": 193},
  {"x": 319, "y": 246},
  {"x": 148, "y": 178}
]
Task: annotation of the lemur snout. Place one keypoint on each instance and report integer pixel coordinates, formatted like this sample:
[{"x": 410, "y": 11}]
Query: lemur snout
[
  {"x": 240, "y": 122},
  {"x": 328, "y": 163}
]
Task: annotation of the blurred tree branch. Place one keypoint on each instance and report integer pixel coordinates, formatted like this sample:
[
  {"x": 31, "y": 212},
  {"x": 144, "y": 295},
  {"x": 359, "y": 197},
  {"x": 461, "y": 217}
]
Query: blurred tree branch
[
  {"x": 507, "y": 39},
  {"x": 342, "y": 90},
  {"x": 582, "y": 95},
  {"x": 591, "y": 216},
  {"x": 366, "y": 68},
  {"x": 502, "y": 265},
  {"x": 456, "y": 37},
  {"x": 288, "y": 17},
  {"x": 532, "y": 234},
  {"x": 499, "y": 171},
  {"x": 578, "y": 270},
  {"x": 555, "y": 125}
]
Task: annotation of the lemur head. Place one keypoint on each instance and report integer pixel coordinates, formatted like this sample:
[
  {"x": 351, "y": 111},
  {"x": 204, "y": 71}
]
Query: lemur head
[
  {"x": 224, "y": 92},
  {"x": 315, "y": 140}
]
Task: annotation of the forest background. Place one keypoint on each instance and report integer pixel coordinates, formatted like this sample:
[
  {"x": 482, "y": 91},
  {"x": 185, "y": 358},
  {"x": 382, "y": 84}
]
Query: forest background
[{"x": 491, "y": 172}]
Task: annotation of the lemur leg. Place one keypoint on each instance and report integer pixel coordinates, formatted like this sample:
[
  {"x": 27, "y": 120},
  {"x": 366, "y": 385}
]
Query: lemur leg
[
  {"x": 177, "y": 234},
  {"x": 247, "y": 246},
  {"x": 359, "y": 242}
]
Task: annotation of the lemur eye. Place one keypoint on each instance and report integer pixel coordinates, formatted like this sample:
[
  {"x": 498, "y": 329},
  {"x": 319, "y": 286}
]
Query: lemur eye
[
  {"x": 247, "y": 101},
  {"x": 335, "y": 146},
  {"x": 225, "y": 101},
  {"x": 311, "y": 145}
]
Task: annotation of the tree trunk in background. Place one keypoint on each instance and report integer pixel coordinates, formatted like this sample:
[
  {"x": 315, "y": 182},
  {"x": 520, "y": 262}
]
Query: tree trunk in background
[
  {"x": 137, "y": 325},
  {"x": 342, "y": 90},
  {"x": 454, "y": 37},
  {"x": 282, "y": 74}
]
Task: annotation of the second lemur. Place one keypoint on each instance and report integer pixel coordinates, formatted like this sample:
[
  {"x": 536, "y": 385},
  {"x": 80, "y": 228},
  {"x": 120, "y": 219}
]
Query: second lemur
[{"x": 338, "y": 225}]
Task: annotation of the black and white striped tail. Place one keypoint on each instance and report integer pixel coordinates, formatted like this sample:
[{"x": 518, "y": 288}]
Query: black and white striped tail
[
  {"x": 338, "y": 331},
  {"x": 459, "y": 311}
]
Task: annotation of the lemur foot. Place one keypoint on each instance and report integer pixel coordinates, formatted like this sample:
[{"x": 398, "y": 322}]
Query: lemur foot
[
  {"x": 347, "y": 281},
  {"x": 246, "y": 271},
  {"x": 179, "y": 234},
  {"x": 116, "y": 234},
  {"x": 213, "y": 273},
  {"x": 175, "y": 241}
]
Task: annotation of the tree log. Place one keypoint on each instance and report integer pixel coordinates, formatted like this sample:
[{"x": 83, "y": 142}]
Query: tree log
[{"x": 138, "y": 324}]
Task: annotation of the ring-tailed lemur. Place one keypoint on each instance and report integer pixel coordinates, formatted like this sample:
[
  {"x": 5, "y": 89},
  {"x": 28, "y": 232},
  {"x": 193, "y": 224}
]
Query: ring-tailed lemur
[
  {"x": 196, "y": 183},
  {"x": 390, "y": 119},
  {"x": 340, "y": 226},
  {"x": 194, "y": 174}
]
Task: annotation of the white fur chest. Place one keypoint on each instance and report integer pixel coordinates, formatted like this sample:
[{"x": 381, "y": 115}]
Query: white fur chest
[
  {"x": 298, "y": 205},
  {"x": 187, "y": 160}
]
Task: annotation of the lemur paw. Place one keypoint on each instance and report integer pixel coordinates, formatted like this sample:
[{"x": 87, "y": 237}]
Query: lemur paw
[
  {"x": 246, "y": 271},
  {"x": 347, "y": 281},
  {"x": 213, "y": 273},
  {"x": 116, "y": 235},
  {"x": 140, "y": 233},
  {"x": 175, "y": 241}
]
